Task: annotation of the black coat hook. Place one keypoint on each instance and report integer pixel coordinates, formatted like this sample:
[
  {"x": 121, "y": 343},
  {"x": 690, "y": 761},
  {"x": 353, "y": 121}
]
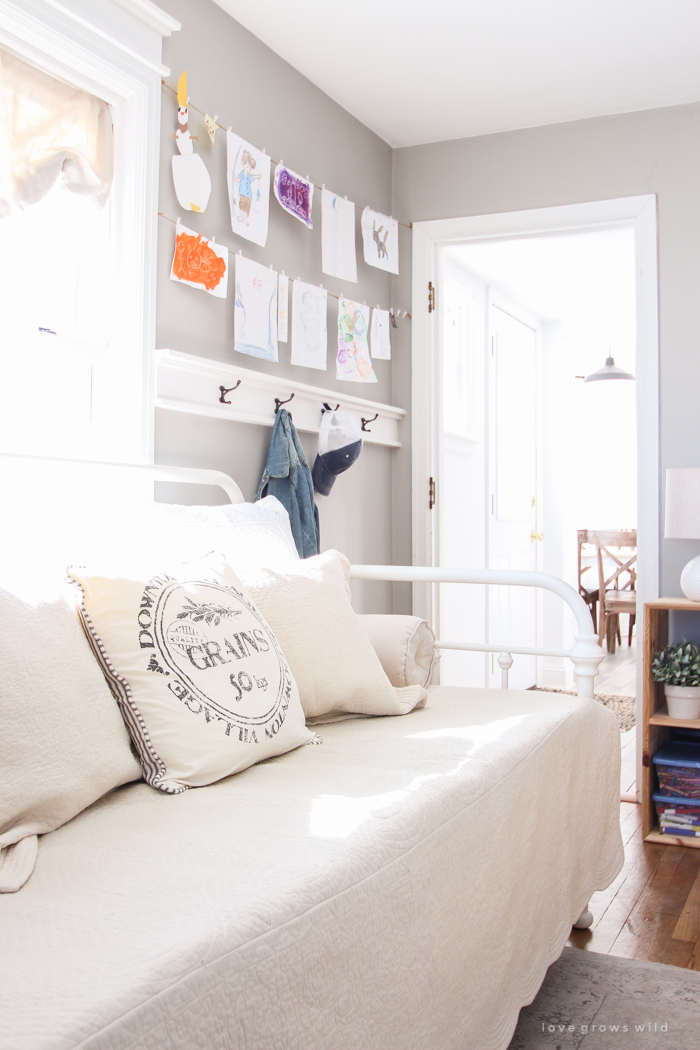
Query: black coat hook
[
  {"x": 327, "y": 407},
  {"x": 224, "y": 392},
  {"x": 366, "y": 421},
  {"x": 278, "y": 403}
]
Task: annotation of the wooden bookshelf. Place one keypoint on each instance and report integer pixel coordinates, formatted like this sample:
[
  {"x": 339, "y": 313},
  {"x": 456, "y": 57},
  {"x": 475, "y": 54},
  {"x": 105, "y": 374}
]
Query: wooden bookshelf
[{"x": 657, "y": 724}]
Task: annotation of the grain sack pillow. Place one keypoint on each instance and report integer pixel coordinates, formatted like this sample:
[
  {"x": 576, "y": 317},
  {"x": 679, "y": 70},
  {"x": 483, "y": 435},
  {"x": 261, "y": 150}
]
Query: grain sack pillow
[
  {"x": 201, "y": 680},
  {"x": 307, "y": 604},
  {"x": 62, "y": 740}
]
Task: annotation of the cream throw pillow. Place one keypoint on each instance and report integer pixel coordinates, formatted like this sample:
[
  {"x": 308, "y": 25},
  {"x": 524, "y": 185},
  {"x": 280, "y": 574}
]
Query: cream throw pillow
[
  {"x": 307, "y": 604},
  {"x": 405, "y": 646},
  {"x": 200, "y": 678},
  {"x": 62, "y": 741}
]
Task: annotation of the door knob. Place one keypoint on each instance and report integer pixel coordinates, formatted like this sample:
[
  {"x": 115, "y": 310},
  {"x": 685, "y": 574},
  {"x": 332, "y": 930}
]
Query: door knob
[{"x": 536, "y": 536}]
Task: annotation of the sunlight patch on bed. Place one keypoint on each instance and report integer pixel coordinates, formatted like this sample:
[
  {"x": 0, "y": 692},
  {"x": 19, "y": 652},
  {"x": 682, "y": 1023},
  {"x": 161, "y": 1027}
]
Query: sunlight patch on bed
[
  {"x": 480, "y": 735},
  {"x": 338, "y": 816}
]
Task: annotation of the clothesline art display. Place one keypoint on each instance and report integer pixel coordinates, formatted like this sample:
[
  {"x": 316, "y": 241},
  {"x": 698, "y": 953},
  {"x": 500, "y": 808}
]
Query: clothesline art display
[
  {"x": 248, "y": 181},
  {"x": 360, "y": 207},
  {"x": 380, "y": 338},
  {"x": 353, "y": 362},
  {"x": 394, "y": 315},
  {"x": 295, "y": 194},
  {"x": 199, "y": 262},
  {"x": 255, "y": 313},
  {"x": 380, "y": 239},
  {"x": 338, "y": 258},
  {"x": 309, "y": 329},
  {"x": 190, "y": 176},
  {"x": 282, "y": 308}
]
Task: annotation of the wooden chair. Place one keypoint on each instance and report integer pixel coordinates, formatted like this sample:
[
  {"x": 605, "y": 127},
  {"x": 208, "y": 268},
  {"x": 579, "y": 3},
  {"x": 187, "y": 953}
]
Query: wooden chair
[
  {"x": 617, "y": 593},
  {"x": 590, "y": 597}
]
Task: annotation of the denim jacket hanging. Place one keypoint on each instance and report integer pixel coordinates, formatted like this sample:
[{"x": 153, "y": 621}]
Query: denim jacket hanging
[{"x": 288, "y": 478}]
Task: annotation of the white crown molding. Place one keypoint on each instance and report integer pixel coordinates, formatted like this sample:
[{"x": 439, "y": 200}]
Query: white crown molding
[
  {"x": 52, "y": 24},
  {"x": 153, "y": 16}
]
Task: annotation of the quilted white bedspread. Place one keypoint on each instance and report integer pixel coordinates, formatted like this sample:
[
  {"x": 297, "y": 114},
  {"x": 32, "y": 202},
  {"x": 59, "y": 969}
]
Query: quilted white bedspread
[{"x": 402, "y": 887}]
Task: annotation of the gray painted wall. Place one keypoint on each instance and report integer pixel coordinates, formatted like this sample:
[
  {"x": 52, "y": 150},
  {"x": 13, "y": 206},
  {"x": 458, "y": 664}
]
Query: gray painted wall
[
  {"x": 231, "y": 73},
  {"x": 657, "y": 151}
]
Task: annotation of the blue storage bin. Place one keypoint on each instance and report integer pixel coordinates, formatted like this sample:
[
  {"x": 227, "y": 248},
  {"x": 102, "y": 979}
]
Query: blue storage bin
[
  {"x": 677, "y": 815},
  {"x": 678, "y": 768}
]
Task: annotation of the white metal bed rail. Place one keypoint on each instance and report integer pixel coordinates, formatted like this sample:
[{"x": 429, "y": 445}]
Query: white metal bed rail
[{"x": 585, "y": 654}]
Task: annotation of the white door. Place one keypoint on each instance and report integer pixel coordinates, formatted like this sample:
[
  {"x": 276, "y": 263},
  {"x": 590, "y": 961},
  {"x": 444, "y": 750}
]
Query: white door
[
  {"x": 513, "y": 535},
  {"x": 461, "y": 507}
]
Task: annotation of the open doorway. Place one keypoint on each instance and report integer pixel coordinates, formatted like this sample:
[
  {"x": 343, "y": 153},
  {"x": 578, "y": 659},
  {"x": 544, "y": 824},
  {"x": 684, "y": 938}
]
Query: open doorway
[
  {"x": 523, "y": 322},
  {"x": 527, "y": 455}
]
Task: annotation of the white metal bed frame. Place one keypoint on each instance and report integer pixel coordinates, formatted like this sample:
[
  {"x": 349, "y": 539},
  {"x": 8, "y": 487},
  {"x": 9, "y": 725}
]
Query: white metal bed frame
[{"x": 585, "y": 654}]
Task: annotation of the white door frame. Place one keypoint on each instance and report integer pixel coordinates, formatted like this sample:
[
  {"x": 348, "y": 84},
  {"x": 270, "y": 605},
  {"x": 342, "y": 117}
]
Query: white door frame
[{"x": 428, "y": 239}]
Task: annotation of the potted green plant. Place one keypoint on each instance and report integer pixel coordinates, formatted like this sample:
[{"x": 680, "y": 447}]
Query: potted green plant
[{"x": 678, "y": 667}]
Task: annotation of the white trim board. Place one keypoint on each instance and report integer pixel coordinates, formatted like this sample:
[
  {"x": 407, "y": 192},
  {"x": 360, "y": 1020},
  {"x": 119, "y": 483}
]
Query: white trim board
[
  {"x": 187, "y": 383},
  {"x": 428, "y": 238}
]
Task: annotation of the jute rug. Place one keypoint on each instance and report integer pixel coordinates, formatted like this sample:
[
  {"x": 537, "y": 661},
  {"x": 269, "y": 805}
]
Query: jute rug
[
  {"x": 623, "y": 707},
  {"x": 595, "y": 1002}
]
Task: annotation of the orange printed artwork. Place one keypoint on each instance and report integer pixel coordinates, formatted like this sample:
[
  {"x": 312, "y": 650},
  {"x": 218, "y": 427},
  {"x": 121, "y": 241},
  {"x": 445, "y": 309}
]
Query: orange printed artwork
[{"x": 196, "y": 261}]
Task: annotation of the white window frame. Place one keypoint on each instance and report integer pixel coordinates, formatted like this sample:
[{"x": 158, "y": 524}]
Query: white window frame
[{"x": 112, "y": 48}]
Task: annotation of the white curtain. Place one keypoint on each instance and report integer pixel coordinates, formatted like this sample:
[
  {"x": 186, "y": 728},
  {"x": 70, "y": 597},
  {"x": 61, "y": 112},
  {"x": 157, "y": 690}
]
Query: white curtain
[{"x": 50, "y": 131}]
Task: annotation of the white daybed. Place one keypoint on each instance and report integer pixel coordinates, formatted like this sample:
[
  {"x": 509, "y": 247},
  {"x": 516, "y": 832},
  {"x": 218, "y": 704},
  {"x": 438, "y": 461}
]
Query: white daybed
[{"x": 404, "y": 887}]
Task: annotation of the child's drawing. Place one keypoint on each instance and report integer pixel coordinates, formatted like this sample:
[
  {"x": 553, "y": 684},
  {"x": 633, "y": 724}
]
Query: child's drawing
[
  {"x": 190, "y": 175},
  {"x": 199, "y": 262},
  {"x": 380, "y": 340},
  {"x": 282, "y": 308},
  {"x": 353, "y": 362},
  {"x": 380, "y": 238},
  {"x": 309, "y": 330},
  {"x": 255, "y": 313},
  {"x": 248, "y": 177},
  {"x": 295, "y": 194},
  {"x": 338, "y": 237}
]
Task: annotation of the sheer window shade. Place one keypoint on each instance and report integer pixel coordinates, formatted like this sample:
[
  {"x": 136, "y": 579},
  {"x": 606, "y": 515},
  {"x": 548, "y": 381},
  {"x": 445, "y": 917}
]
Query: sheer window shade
[{"x": 50, "y": 131}]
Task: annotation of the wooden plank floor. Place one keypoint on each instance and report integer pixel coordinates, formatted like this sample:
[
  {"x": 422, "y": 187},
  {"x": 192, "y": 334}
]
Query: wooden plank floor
[{"x": 652, "y": 909}]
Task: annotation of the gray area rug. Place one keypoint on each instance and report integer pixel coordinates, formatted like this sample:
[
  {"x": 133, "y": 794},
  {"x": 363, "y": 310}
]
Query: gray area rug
[
  {"x": 595, "y": 1002},
  {"x": 623, "y": 707}
]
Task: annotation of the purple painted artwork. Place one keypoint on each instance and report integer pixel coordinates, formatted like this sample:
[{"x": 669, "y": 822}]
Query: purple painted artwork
[{"x": 295, "y": 194}]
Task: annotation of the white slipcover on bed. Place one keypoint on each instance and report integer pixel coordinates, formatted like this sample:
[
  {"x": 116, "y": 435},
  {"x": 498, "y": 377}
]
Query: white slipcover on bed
[{"x": 402, "y": 887}]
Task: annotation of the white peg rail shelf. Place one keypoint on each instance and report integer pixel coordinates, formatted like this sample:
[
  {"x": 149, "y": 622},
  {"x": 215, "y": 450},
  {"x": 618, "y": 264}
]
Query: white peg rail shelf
[{"x": 192, "y": 384}]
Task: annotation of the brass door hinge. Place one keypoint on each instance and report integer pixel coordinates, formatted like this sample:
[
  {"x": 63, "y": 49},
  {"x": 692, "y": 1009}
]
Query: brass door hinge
[
  {"x": 431, "y": 494},
  {"x": 431, "y": 297},
  {"x": 536, "y": 536}
]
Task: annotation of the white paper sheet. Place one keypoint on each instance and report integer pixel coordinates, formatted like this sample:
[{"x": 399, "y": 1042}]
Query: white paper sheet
[
  {"x": 199, "y": 262},
  {"x": 248, "y": 181},
  {"x": 282, "y": 308},
  {"x": 309, "y": 330},
  {"x": 338, "y": 257},
  {"x": 380, "y": 239},
  {"x": 353, "y": 362},
  {"x": 380, "y": 339},
  {"x": 255, "y": 314}
]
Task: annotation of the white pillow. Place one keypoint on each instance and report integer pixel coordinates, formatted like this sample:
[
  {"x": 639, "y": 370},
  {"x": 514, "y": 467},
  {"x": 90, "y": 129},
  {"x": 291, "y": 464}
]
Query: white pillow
[
  {"x": 307, "y": 604},
  {"x": 200, "y": 678},
  {"x": 245, "y": 533},
  {"x": 62, "y": 741},
  {"x": 405, "y": 646}
]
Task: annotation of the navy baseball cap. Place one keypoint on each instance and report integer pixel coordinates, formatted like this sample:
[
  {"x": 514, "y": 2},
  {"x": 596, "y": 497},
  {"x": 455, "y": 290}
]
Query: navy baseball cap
[{"x": 339, "y": 445}]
